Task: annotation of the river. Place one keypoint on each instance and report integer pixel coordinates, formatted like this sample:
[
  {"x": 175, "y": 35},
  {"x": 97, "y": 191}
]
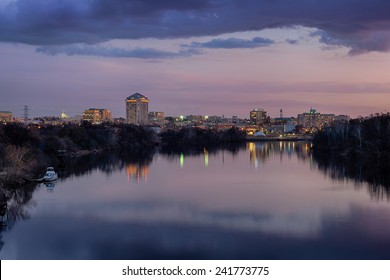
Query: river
[{"x": 268, "y": 200}]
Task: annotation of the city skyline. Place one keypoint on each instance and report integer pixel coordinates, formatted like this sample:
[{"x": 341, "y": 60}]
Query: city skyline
[{"x": 203, "y": 57}]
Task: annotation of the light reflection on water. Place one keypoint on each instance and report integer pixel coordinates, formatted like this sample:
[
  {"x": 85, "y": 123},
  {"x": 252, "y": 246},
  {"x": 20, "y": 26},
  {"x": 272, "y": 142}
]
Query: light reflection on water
[{"x": 269, "y": 200}]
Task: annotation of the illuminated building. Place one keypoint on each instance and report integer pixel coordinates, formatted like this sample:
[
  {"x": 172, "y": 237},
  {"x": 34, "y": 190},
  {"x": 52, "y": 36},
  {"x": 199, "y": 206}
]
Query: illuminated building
[
  {"x": 156, "y": 118},
  {"x": 64, "y": 116},
  {"x": 97, "y": 116},
  {"x": 314, "y": 120},
  {"x": 258, "y": 117},
  {"x": 5, "y": 116},
  {"x": 137, "y": 109},
  {"x": 282, "y": 125}
]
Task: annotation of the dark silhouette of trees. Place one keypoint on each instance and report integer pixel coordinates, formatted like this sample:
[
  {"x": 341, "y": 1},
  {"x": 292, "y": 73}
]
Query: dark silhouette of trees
[
  {"x": 367, "y": 139},
  {"x": 360, "y": 150},
  {"x": 200, "y": 138},
  {"x": 25, "y": 149}
]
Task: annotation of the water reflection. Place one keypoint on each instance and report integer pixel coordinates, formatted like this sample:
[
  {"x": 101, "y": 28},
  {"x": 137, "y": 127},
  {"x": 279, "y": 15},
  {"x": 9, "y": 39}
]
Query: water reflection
[
  {"x": 264, "y": 200},
  {"x": 15, "y": 206},
  {"x": 261, "y": 151},
  {"x": 376, "y": 174},
  {"x": 50, "y": 186},
  {"x": 137, "y": 172}
]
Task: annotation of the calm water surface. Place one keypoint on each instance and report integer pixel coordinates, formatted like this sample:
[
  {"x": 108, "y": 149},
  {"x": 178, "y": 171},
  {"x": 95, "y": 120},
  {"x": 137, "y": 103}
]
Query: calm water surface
[{"x": 264, "y": 201}]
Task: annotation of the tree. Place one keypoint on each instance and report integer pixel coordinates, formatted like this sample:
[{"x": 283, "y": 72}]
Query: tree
[{"x": 19, "y": 162}]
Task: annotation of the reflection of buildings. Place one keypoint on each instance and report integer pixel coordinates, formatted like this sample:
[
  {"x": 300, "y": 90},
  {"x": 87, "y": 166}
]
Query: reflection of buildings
[
  {"x": 205, "y": 154},
  {"x": 137, "y": 109},
  {"x": 259, "y": 152},
  {"x": 137, "y": 172}
]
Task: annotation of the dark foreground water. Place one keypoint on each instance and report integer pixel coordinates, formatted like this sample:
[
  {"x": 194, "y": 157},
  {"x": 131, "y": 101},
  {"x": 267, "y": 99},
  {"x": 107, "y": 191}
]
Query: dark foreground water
[{"x": 262, "y": 201}]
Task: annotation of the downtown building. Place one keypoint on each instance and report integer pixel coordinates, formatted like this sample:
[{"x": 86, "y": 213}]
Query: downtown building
[
  {"x": 314, "y": 120},
  {"x": 137, "y": 109},
  {"x": 259, "y": 117},
  {"x": 156, "y": 118},
  {"x": 5, "y": 116},
  {"x": 97, "y": 116}
]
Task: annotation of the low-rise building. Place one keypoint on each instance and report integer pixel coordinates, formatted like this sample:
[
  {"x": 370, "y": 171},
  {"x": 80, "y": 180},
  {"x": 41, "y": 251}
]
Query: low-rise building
[
  {"x": 315, "y": 121},
  {"x": 5, "y": 116},
  {"x": 156, "y": 118},
  {"x": 97, "y": 116}
]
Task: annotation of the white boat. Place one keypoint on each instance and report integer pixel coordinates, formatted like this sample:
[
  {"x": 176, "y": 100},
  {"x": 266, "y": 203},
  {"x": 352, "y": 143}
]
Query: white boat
[{"x": 50, "y": 175}]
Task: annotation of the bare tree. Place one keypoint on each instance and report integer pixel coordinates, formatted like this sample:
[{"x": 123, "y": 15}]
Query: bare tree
[
  {"x": 19, "y": 161},
  {"x": 357, "y": 132}
]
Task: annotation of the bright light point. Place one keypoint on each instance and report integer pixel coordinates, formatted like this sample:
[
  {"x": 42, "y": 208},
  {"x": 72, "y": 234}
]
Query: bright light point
[
  {"x": 206, "y": 157},
  {"x": 181, "y": 160}
]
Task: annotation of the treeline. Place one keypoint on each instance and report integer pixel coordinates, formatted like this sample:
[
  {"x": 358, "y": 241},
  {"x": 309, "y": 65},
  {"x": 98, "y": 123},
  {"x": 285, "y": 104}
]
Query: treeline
[
  {"x": 360, "y": 139},
  {"x": 24, "y": 149},
  {"x": 197, "y": 138}
]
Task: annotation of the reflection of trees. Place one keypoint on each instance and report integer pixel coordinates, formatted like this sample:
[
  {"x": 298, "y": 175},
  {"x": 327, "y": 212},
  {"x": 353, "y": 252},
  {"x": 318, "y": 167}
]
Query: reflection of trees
[
  {"x": 261, "y": 151},
  {"x": 376, "y": 174},
  {"x": 172, "y": 153},
  {"x": 14, "y": 206},
  {"x": 15, "y": 202},
  {"x": 107, "y": 163}
]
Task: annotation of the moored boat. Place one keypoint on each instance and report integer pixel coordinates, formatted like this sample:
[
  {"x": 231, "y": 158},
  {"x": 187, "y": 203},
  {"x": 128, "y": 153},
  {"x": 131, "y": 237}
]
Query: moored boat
[{"x": 50, "y": 175}]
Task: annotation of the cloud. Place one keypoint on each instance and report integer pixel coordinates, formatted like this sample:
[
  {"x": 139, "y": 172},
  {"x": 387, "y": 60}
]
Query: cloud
[
  {"x": 233, "y": 43},
  {"x": 142, "y": 53},
  {"x": 375, "y": 41},
  {"x": 360, "y": 25},
  {"x": 292, "y": 41}
]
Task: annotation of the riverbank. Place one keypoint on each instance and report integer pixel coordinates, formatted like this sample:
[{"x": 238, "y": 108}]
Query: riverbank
[{"x": 26, "y": 150}]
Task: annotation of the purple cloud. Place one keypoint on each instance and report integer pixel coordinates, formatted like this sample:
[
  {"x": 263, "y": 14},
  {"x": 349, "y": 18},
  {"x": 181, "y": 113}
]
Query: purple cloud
[
  {"x": 233, "y": 43},
  {"x": 360, "y": 25},
  {"x": 142, "y": 53}
]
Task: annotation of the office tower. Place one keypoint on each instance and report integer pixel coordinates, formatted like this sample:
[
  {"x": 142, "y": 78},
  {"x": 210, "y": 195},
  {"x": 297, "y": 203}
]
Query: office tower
[{"x": 137, "y": 109}]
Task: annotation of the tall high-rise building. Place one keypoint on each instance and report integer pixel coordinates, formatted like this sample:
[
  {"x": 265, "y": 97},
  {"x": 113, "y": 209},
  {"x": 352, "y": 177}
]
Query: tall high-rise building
[
  {"x": 137, "y": 109},
  {"x": 97, "y": 116}
]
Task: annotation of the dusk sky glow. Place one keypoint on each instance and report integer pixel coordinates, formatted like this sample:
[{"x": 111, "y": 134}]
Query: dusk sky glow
[{"x": 209, "y": 57}]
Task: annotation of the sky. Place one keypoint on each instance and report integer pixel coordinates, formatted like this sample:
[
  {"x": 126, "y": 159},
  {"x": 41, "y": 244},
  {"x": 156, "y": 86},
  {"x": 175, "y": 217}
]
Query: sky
[{"x": 207, "y": 57}]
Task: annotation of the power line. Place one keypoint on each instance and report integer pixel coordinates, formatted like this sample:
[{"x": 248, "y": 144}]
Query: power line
[{"x": 25, "y": 115}]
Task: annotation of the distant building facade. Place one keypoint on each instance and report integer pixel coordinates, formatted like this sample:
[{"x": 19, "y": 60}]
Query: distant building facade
[
  {"x": 282, "y": 125},
  {"x": 5, "y": 116},
  {"x": 316, "y": 121},
  {"x": 156, "y": 118},
  {"x": 97, "y": 116},
  {"x": 258, "y": 117},
  {"x": 137, "y": 109}
]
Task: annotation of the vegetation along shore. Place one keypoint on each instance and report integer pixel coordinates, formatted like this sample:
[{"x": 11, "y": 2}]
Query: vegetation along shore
[{"x": 25, "y": 150}]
